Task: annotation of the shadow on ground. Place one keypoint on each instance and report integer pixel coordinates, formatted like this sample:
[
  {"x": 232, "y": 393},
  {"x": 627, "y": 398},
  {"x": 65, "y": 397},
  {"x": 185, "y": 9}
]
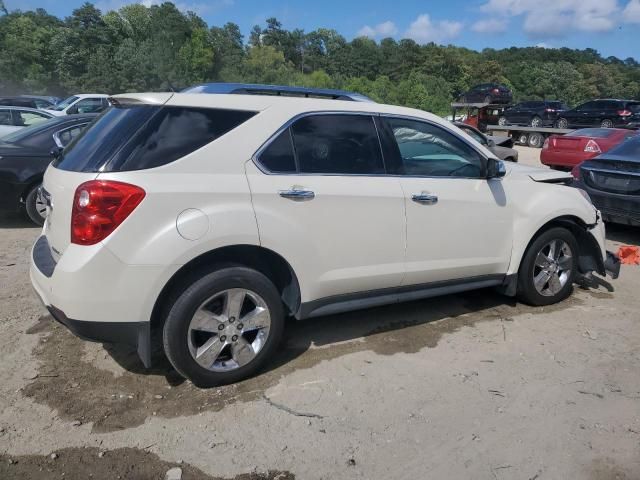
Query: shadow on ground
[
  {"x": 15, "y": 220},
  {"x": 126, "y": 463},
  {"x": 623, "y": 234},
  {"x": 79, "y": 390}
]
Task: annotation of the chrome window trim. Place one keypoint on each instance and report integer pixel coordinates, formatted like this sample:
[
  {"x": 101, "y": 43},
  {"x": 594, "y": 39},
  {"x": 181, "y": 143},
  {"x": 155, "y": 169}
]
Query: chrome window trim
[
  {"x": 255, "y": 158},
  {"x": 56, "y": 134}
]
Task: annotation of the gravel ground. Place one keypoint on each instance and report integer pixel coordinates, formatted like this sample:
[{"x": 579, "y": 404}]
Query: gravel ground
[{"x": 465, "y": 386}]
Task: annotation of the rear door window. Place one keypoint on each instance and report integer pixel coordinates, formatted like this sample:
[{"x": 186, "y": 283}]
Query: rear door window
[
  {"x": 337, "y": 144},
  {"x": 279, "y": 157},
  {"x": 143, "y": 136}
]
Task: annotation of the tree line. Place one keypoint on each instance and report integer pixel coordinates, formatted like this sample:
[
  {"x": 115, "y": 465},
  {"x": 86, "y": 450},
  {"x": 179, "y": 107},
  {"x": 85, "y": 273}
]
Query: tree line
[{"x": 139, "y": 48}]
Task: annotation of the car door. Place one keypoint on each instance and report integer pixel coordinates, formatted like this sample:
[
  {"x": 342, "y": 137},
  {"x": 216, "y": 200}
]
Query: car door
[
  {"x": 323, "y": 201},
  {"x": 459, "y": 223}
]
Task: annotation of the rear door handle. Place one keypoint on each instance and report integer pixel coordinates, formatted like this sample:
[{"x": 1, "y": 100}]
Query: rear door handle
[
  {"x": 297, "y": 194},
  {"x": 425, "y": 198}
]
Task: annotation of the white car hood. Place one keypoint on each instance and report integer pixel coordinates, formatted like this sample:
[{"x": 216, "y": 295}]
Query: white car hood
[{"x": 537, "y": 174}]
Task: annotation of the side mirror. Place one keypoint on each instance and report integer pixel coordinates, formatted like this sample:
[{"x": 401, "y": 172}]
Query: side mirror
[
  {"x": 496, "y": 168},
  {"x": 55, "y": 152},
  {"x": 491, "y": 143}
]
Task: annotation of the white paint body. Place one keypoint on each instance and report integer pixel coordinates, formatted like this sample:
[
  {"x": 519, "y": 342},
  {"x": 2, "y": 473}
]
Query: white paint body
[
  {"x": 80, "y": 97},
  {"x": 359, "y": 233}
]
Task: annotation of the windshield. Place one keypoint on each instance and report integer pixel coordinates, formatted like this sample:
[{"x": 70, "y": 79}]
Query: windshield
[
  {"x": 65, "y": 103},
  {"x": 26, "y": 132}
]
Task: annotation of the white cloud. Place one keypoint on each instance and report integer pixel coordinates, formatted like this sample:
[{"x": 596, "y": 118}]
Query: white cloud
[
  {"x": 631, "y": 13},
  {"x": 424, "y": 30},
  {"x": 200, "y": 8},
  {"x": 557, "y": 18},
  {"x": 382, "y": 30},
  {"x": 491, "y": 25}
]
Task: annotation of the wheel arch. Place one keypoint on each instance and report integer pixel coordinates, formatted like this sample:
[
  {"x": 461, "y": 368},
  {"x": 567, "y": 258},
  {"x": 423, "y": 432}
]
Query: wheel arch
[
  {"x": 262, "y": 259},
  {"x": 589, "y": 255}
]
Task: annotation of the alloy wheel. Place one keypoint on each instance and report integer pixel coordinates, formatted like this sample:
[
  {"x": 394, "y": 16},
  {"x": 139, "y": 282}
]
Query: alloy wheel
[
  {"x": 552, "y": 268},
  {"x": 229, "y": 329}
]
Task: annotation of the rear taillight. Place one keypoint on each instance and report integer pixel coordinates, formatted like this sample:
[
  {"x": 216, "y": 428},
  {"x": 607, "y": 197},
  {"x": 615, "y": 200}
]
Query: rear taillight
[
  {"x": 545, "y": 145},
  {"x": 575, "y": 171},
  {"x": 99, "y": 206},
  {"x": 592, "y": 147},
  {"x": 496, "y": 90},
  {"x": 550, "y": 110},
  {"x": 624, "y": 113}
]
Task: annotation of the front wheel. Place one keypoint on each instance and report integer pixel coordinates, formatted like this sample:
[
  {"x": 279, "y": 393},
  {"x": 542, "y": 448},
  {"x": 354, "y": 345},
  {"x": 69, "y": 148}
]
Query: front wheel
[
  {"x": 536, "y": 122},
  {"x": 548, "y": 268},
  {"x": 562, "y": 123},
  {"x": 224, "y": 327}
]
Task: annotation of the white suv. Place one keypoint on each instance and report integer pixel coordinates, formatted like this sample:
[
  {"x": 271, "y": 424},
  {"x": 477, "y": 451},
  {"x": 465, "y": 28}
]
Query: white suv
[{"x": 214, "y": 217}]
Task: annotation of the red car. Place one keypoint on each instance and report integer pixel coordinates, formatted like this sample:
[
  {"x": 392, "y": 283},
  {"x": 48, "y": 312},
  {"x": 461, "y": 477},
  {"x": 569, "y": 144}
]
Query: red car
[{"x": 563, "y": 152}]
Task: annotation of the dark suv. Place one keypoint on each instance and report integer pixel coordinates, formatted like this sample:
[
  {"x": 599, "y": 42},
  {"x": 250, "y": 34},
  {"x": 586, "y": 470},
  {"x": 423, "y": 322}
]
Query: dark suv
[
  {"x": 536, "y": 113},
  {"x": 605, "y": 113},
  {"x": 487, "y": 93}
]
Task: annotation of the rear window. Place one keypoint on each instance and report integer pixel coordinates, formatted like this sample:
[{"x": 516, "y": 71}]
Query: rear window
[
  {"x": 629, "y": 148},
  {"x": 138, "y": 137},
  {"x": 634, "y": 107},
  {"x": 593, "y": 132}
]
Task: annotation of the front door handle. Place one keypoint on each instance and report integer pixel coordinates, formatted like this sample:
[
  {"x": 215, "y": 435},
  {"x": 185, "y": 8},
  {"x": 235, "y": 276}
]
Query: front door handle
[
  {"x": 297, "y": 194},
  {"x": 425, "y": 198}
]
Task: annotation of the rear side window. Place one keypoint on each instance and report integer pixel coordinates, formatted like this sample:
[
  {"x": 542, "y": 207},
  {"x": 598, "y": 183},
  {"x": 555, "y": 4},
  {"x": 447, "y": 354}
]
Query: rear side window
[
  {"x": 139, "y": 137},
  {"x": 337, "y": 144},
  {"x": 278, "y": 157}
]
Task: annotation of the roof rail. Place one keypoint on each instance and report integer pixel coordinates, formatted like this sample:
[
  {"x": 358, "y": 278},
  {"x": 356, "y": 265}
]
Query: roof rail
[{"x": 280, "y": 90}]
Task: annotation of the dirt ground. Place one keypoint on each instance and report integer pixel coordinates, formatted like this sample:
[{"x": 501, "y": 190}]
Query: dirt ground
[{"x": 465, "y": 386}]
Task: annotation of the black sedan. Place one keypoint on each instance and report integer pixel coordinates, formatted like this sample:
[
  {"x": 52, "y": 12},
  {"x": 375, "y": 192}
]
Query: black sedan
[
  {"x": 25, "y": 155},
  {"x": 536, "y": 113},
  {"x": 612, "y": 180}
]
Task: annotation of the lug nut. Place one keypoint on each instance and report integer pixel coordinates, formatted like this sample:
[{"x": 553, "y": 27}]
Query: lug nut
[
  {"x": 234, "y": 338},
  {"x": 221, "y": 327},
  {"x": 232, "y": 319},
  {"x": 223, "y": 338},
  {"x": 240, "y": 326}
]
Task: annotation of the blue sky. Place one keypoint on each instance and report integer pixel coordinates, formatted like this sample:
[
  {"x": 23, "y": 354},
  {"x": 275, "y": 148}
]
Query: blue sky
[{"x": 610, "y": 26}]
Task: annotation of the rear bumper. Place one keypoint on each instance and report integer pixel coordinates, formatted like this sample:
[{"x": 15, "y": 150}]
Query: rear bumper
[
  {"x": 135, "y": 334},
  {"x": 95, "y": 295}
]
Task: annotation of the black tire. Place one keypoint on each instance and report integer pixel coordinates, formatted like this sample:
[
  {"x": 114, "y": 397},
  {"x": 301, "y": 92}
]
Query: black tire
[
  {"x": 176, "y": 327},
  {"x": 536, "y": 122},
  {"x": 606, "y": 123},
  {"x": 536, "y": 140},
  {"x": 562, "y": 123},
  {"x": 502, "y": 121},
  {"x": 33, "y": 208},
  {"x": 523, "y": 138},
  {"x": 527, "y": 292}
]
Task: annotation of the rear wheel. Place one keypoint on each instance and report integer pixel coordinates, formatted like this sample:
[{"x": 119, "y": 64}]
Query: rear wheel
[
  {"x": 224, "y": 327},
  {"x": 562, "y": 123},
  {"x": 548, "y": 268},
  {"x": 606, "y": 123},
  {"x": 502, "y": 121},
  {"x": 523, "y": 138},
  {"x": 536, "y": 122},
  {"x": 35, "y": 207},
  {"x": 536, "y": 140}
]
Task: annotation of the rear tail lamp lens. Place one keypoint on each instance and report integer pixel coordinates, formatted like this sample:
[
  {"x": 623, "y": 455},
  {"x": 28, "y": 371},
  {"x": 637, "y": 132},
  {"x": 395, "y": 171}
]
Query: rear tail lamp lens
[
  {"x": 592, "y": 147},
  {"x": 624, "y": 113},
  {"x": 99, "y": 206}
]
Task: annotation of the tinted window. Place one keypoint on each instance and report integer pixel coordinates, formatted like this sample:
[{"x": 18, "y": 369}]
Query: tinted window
[
  {"x": 139, "y": 137},
  {"x": 634, "y": 107},
  {"x": 5, "y": 117},
  {"x": 428, "y": 150},
  {"x": 610, "y": 105},
  {"x": 341, "y": 144},
  {"x": 477, "y": 136},
  {"x": 65, "y": 136},
  {"x": 90, "y": 105},
  {"x": 278, "y": 156},
  {"x": 587, "y": 106}
]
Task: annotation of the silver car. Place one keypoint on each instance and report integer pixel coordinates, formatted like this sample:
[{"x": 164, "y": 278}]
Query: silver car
[{"x": 15, "y": 118}]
